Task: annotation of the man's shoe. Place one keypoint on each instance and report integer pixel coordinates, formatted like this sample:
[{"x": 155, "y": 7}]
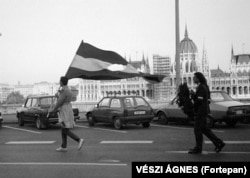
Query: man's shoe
[
  {"x": 194, "y": 151},
  {"x": 81, "y": 142},
  {"x": 219, "y": 147},
  {"x": 60, "y": 149}
]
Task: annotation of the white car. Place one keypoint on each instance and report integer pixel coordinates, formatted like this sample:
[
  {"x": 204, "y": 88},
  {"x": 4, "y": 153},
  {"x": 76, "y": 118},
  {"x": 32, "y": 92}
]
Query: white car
[{"x": 223, "y": 109}]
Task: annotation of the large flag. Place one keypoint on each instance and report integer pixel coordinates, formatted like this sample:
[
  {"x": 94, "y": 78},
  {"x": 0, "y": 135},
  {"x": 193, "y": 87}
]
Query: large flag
[{"x": 96, "y": 64}]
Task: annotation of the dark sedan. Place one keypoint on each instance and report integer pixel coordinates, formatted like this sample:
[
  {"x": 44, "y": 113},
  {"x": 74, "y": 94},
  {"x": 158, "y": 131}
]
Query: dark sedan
[
  {"x": 122, "y": 110},
  {"x": 35, "y": 110}
]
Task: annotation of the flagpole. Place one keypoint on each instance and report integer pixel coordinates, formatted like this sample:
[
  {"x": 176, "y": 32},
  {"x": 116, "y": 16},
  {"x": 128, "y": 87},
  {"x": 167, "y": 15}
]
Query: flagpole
[{"x": 177, "y": 53}]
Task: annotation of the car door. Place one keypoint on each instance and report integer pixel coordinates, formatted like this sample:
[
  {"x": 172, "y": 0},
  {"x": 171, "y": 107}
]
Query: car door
[
  {"x": 129, "y": 104},
  {"x": 218, "y": 107},
  {"x": 115, "y": 109},
  {"x": 100, "y": 113},
  {"x": 34, "y": 109},
  {"x": 174, "y": 111},
  {"x": 142, "y": 108},
  {"x": 26, "y": 109}
]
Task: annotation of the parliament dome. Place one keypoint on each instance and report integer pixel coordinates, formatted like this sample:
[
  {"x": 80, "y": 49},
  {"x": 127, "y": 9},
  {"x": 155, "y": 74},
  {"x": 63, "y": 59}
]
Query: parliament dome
[{"x": 187, "y": 45}]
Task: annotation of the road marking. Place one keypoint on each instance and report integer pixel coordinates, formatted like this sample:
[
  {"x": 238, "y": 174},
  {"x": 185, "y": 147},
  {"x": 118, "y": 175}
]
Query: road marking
[
  {"x": 29, "y": 142},
  {"x": 211, "y": 152},
  {"x": 81, "y": 126},
  {"x": 184, "y": 128},
  {"x": 110, "y": 130},
  {"x": 232, "y": 142},
  {"x": 25, "y": 130},
  {"x": 110, "y": 161},
  {"x": 127, "y": 142},
  {"x": 166, "y": 126},
  {"x": 61, "y": 164}
]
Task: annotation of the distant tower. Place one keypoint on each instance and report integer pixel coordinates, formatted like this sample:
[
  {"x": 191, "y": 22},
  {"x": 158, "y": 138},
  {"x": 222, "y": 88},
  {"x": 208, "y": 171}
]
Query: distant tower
[
  {"x": 204, "y": 61},
  {"x": 205, "y": 64},
  {"x": 148, "y": 67},
  {"x": 232, "y": 54}
]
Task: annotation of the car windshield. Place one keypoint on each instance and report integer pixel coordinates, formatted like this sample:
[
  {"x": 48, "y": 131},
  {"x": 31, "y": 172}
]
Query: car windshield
[
  {"x": 220, "y": 96},
  {"x": 140, "y": 102},
  {"x": 47, "y": 101}
]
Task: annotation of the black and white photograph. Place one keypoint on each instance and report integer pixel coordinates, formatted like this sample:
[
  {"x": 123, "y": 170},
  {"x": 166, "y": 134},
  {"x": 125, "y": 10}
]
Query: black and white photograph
[{"x": 124, "y": 88}]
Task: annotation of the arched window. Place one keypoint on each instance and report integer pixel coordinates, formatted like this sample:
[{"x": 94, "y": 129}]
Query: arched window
[
  {"x": 187, "y": 66},
  {"x": 240, "y": 90},
  {"x": 228, "y": 90},
  {"x": 245, "y": 90}
]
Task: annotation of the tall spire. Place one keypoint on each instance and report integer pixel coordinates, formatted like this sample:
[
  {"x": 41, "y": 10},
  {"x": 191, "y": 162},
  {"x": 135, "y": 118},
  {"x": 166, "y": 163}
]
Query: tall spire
[
  {"x": 205, "y": 63},
  {"x": 232, "y": 54},
  {"x": 143, "y": 59},
  {"x": 186, "y": 32}
]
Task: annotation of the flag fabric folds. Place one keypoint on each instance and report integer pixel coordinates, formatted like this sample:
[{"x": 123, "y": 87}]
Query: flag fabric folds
[{"x": 97, "y": 64}]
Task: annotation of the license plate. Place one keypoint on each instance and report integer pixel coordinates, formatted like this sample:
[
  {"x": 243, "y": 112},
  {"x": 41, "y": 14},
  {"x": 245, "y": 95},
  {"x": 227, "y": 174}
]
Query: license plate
[
  {"x": 239, "y": 112},
  {"x": 139, "y": 112}
]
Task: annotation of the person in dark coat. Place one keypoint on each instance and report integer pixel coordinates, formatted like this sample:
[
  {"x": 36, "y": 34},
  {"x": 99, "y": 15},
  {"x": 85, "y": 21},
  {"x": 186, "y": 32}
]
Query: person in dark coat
[
  {"x": 66, "y": 115},
  {"x": 201, "y": 109}
]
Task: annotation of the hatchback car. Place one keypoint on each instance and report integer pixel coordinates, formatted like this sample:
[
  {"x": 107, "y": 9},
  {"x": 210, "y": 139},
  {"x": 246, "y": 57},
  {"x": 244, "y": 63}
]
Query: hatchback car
[
  {"x": 122, "y": 110},
  {"x": 223, "y": 109},
  {"x": 35, "y": 110}
]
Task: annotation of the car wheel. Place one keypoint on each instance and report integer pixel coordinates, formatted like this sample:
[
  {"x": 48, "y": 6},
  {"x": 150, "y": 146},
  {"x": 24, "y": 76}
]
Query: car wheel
[
  {"x": 146, "y": 124},
  {"x": 90, "y": 120},
  {"x": 20, "y": 120},
  {"x": 38, "y": 123},
  {"x": 210, "y": 121},
  {"x": 118, "y": 123},
  {"x": 162, "y": 118}
]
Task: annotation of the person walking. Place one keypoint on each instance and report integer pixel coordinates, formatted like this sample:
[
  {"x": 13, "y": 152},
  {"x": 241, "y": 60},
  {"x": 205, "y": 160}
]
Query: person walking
[
  {"x": 201, "y": 109},
  {"x": 66, "y": 115}
]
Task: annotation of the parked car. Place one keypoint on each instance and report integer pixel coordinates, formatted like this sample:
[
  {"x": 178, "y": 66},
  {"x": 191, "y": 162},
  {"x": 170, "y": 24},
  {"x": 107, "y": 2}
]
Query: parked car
[
  {"x": 35, "y": 110},
  {"x": 223, "y": 109},
  {"x": 121, "y": 110}
]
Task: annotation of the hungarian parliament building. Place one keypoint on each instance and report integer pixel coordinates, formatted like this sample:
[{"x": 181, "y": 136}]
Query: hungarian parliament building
[{"x": 236, "y": 82}]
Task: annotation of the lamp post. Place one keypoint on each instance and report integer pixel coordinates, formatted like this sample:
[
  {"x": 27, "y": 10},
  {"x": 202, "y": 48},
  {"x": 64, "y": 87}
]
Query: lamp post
[{"x": 177, "y": 51}]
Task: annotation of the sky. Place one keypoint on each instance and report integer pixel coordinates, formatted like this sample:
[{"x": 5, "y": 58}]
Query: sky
[{"x": 39, "y": 38}]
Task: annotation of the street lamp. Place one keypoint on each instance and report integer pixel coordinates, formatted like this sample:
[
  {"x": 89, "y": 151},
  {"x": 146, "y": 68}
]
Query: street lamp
[{"x": 177, "y": 53}]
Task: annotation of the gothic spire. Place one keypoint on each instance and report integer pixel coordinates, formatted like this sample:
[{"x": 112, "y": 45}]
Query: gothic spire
[
  {"x": 186, "y": 32},
  {"x": 232, "y": 53}
]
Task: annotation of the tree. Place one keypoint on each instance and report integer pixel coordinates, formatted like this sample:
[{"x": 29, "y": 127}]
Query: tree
[{"x": 14, "y": 98}]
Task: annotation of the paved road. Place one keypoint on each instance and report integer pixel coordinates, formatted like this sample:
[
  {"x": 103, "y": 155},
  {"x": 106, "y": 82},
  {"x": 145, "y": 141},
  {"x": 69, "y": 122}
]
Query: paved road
[{"x": 28, "y": 152}]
